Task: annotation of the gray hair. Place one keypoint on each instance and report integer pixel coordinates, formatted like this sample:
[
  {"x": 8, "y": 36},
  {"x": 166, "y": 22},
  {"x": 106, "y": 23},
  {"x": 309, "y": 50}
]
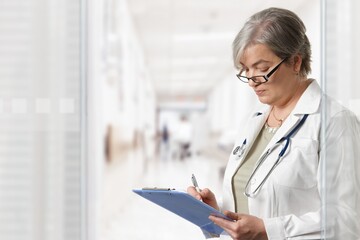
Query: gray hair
[{"x": 279, "y": 29}]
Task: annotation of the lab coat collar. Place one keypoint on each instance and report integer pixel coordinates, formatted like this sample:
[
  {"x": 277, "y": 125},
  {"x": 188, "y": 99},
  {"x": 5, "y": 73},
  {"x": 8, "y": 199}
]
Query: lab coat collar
[{"x": 308, "y": 103}]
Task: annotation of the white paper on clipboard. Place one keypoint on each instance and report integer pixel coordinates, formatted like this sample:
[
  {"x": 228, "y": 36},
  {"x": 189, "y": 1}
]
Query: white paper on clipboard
[{"x": 185, "y": 206}]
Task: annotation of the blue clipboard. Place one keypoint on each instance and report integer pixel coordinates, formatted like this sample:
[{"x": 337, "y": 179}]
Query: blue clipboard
[{"x": 185, "y": 206}]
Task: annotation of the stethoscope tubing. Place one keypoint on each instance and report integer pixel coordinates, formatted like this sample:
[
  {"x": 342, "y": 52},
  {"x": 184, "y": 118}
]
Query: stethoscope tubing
[{"x": 240, "y": 150}]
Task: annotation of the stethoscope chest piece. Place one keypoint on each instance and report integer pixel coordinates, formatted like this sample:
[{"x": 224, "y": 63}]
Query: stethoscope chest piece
[{"x": 239, "y": 150}]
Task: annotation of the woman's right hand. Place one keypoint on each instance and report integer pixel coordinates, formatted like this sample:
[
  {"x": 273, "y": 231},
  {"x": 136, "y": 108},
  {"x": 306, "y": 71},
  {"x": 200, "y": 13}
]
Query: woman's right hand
[{"x": 204, "y": 195}]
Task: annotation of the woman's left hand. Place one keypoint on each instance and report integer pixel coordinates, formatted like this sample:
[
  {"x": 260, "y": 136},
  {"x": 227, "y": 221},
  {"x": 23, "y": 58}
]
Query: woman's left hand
[{"x": 245, "y": 227}]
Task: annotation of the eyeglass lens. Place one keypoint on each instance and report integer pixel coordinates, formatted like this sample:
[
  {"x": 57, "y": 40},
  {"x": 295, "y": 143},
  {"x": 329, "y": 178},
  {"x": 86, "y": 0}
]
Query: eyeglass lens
[{"x": 259, "y": 79}]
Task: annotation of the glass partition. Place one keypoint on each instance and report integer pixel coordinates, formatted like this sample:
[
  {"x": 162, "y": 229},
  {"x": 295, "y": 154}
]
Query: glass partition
[
  {"x": 340, "y": 133},
  {"x": 41, "y": 120}
]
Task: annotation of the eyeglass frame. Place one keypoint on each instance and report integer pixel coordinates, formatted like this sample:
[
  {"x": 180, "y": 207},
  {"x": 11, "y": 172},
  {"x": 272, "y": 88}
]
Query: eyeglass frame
[{"x": 253, "y": 78}]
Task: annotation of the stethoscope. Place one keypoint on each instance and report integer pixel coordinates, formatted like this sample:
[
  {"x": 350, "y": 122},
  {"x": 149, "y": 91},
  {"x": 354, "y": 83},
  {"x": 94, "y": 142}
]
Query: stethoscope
[{"x": 239, "y": 151}]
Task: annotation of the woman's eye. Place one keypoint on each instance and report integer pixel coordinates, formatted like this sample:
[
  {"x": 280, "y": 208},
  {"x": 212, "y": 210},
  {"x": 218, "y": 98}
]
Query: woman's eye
[{"x": 245, "y": 72}]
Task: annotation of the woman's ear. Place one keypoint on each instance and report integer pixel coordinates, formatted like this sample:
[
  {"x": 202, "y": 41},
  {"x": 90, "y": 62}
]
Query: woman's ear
[{"x": 297, "y": 63}]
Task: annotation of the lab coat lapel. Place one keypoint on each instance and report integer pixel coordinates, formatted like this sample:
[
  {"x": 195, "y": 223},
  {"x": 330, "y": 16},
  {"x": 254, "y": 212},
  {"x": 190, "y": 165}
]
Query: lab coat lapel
[
  {"x": 256, "y": 124},
  {"x": 253, "y": 128}
]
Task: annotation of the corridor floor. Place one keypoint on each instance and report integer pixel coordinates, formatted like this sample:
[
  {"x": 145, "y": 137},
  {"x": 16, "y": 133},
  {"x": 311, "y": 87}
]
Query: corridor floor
[{"x": 127, "y": 216}]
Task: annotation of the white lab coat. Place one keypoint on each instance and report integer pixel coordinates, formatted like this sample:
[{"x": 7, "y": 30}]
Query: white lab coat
[{"x": 315, "y": 190}]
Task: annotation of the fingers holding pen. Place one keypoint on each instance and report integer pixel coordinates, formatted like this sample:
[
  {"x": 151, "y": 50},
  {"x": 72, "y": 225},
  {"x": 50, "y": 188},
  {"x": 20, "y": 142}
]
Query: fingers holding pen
[
  {"x": 205, "y": 195},
  {"x": 209, "y": 198},
  {"x": 193, "y": 192}
]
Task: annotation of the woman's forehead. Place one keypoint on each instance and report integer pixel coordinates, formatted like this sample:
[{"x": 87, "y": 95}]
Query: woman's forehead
[{"x": 255, "y": 53}]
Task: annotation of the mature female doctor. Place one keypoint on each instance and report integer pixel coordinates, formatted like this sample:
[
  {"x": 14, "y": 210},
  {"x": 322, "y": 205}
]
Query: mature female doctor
[{"x": 293, "y": 172}]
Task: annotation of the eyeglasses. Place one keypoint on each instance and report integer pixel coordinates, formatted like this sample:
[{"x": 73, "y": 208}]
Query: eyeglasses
[{"x": 259, "y": 78}]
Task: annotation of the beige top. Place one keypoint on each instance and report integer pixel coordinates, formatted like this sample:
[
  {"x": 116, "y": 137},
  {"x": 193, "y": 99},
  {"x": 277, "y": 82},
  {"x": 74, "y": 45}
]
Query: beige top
[{"x": 244, "y": 171}]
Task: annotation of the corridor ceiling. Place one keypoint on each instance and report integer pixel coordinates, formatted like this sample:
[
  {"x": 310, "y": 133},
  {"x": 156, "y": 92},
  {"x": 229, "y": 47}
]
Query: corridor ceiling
[{"x": 187, "y": 43}]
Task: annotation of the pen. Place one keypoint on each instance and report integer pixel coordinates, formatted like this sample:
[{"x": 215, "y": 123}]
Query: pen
[{"x": 193, "y": 179}]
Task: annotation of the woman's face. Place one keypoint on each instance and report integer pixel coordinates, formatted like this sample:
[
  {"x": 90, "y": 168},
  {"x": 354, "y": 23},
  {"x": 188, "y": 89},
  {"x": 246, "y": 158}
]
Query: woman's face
[{"x": 258, "y": 59}]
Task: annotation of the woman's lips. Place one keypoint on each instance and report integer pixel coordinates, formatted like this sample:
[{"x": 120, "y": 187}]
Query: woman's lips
[{"x": 259, "y": 92}]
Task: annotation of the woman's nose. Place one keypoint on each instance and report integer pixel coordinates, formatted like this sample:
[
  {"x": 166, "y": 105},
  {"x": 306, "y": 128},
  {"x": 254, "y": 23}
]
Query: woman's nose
[{"x": 252, "y": 83}]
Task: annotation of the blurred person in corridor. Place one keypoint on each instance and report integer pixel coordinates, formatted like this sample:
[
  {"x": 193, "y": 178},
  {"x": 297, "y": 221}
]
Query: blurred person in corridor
[
  {"x": 283, "y": 175},
  {"x": 165, "y": 142},
  {"x": 183, "y": 137}
]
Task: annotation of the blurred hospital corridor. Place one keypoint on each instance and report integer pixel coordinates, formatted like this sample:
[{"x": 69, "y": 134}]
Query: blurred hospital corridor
[
  {"x": 161, "y": 161},
  {"x": 100, "y": 97},
  {"x": 123, "y": 210}
]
